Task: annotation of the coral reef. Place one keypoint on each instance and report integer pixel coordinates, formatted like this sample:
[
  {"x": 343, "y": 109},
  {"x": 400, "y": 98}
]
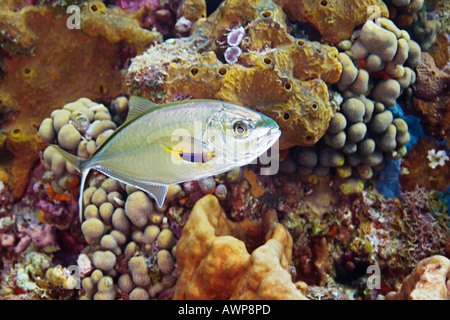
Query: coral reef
[
  {"x": 334, "y": 21},
  {"x": 22, "y": 281},
  {"x": 131, "y": 250},
  {"x": 43, "y": 70},
  {"x": 394, "y": 234},
  {"x": 131, "y": 246},
  {"x": 429, "y": 281},
  {"x": 442, "y": 9},
  {"x": 339, "y": 242},
  {"x": 434, "y": 116},
  {"x": 413, "y": 16},
  {"x": 388, "y": 55},
  {"x": 133, "y": 5},
  {"x": 35, "y": 235},
  {"x": 431, "y": 80},
  {"x": 440, "y": 51},
  {"x": 169, "y": 18},
  {"x": 419, "y": 169},
  {"x": 26, "y": 222},
  {"x": 375, "y": 60},
  {"x": 79, "y": 127},
  {"x": 403, "y": 248},
  {"x": 296, "y": 71},
  {"x": 137, "y": 252},
  {"x": 222, "y": 268},
  {"x": 431, "y": 100},
  {"x": 424, "y": 30},
  {"x": 377, "y": 68},
  {"x": 97, "y": 20}
]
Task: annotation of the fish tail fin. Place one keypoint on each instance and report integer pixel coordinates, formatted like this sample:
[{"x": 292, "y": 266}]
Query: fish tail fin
[
  {"x": 84, "y": 174},
  {"x": 79, "y": 164}
]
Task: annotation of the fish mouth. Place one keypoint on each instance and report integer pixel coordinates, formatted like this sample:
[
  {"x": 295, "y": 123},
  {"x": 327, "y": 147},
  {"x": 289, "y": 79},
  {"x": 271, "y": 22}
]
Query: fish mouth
[
  {"x": 267, "y": 139},
  {"x": 263, "y": 143}
]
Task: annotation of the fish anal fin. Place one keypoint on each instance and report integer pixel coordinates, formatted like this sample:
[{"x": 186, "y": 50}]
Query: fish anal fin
[
  {"x": 157, "y": 191},
  {"x": 137, "y": 107}
]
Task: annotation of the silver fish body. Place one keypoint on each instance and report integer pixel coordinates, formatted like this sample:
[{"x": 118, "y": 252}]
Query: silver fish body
[{"x": 149, "y": 150}]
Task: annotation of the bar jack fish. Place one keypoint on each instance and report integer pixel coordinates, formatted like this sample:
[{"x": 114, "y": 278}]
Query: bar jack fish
[{"x": 160, "y": 145}]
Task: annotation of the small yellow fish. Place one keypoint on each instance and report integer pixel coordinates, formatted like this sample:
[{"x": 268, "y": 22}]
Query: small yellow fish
[{"x": 201, "y": 156}]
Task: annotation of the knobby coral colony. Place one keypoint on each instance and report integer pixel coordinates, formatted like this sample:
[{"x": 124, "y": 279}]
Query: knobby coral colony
[{"x": 333, "y": 76}]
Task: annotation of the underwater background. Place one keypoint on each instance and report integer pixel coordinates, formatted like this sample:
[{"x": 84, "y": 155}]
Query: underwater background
[{"x": 358, "y": 208}]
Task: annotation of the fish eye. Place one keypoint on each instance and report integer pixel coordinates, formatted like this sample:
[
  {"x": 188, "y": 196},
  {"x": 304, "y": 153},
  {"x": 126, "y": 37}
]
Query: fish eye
[{"x": 240, "y": 129}]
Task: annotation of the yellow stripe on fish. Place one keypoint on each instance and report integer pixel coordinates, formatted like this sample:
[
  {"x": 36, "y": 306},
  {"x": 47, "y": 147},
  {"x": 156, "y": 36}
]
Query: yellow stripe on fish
[{"x": 194, "y": 157}]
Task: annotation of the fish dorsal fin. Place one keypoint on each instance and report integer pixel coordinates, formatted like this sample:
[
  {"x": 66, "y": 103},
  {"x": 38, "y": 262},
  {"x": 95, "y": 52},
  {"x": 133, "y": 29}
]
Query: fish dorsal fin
[{"x": 137, "y": 107}]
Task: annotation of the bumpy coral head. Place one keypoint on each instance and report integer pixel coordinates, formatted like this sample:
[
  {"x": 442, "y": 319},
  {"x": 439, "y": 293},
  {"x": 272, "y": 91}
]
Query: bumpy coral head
[{"x": 239, "y": 135}]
